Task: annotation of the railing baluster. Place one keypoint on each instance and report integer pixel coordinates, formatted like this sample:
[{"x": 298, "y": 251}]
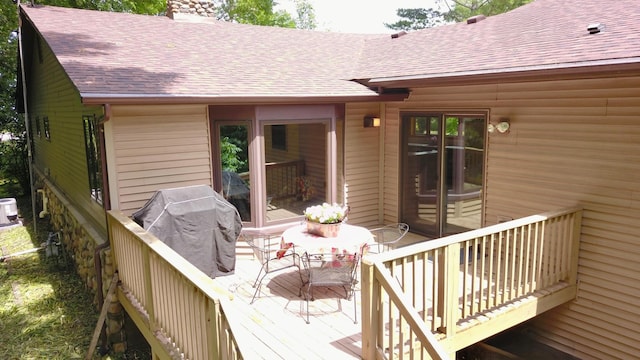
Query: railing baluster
[
  {"x": 172, "y": 297},
  {"x": 472, "y": 273},
  {"x": 491, "y": 289}
]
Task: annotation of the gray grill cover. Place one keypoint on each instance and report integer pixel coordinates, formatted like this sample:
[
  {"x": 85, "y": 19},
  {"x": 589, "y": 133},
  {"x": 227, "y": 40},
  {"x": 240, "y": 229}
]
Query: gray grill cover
[{"x": 197, "y": 223}]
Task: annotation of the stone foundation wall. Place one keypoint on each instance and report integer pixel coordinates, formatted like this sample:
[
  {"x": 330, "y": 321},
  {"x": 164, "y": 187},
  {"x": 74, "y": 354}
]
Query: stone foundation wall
[{"x": 81, "y": 248}]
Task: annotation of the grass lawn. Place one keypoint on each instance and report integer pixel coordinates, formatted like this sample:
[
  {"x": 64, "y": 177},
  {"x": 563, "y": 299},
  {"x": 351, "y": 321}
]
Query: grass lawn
[{"x": 45, "y": 310}]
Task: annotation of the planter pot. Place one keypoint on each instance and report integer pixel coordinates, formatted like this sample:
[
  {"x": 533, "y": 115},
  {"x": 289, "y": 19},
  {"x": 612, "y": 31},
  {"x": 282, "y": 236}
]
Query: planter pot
[{"x": 324, "y": 230}]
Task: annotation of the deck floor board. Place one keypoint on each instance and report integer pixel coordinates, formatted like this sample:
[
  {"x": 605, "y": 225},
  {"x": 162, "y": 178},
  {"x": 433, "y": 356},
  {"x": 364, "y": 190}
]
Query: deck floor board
[{"x": 278, "y": 317}]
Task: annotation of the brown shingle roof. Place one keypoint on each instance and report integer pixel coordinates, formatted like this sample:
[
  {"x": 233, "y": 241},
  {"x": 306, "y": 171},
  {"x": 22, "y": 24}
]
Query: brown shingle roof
[
  {"x": 124, "y": 54},
  {"x": 545, "y": 34},
  {"x": 116, "y": 54}
]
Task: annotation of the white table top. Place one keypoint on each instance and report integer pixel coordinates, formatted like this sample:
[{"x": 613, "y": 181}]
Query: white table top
[{"x": 351, "y": 239}]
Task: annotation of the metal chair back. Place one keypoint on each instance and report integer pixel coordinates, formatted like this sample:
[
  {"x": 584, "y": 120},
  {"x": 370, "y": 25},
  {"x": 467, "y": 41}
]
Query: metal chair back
[
  {"x": 273, "y": 256},
  {"x": 331, "y": 269},
  {"x": 385, "y": 237}
]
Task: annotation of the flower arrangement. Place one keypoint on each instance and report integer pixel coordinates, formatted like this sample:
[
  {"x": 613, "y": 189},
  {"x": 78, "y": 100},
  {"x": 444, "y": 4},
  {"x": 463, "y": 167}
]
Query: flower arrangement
[
  {"x": 305, "y": 190},
  {"x": 326, "y": 213}
]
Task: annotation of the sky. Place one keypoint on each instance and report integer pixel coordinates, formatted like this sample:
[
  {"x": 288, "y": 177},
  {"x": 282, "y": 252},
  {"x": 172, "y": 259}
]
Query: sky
[{"x": 357, "y": 16}]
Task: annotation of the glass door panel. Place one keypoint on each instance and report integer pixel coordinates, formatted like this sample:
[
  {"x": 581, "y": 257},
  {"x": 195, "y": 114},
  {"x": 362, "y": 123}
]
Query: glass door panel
[
  {"x": 295, "y": 168},
  {"x": 464, "y": 157},
  {"x": 421, "y": 172},
  {"x": 442, "y": 172}
]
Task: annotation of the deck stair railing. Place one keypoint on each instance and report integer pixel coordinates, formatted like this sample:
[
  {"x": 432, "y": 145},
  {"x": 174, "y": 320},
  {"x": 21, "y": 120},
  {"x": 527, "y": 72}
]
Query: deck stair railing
[
  {"x": 433, "y": 298},
  {"x": 178, "y": 309}
]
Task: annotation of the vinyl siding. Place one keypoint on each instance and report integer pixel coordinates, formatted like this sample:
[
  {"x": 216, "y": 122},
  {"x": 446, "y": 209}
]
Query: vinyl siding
[
  {"x": 156, "y": 147},
  {"x": 362, "y": 165},
  {"x": 61, "y": 159},
  {"x": 571, "y": 142}
]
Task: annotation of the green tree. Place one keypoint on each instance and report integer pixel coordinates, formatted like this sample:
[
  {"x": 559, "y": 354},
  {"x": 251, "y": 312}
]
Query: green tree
[
  {"x": 416, "y": 19},
  {"x": 13, "y": 145},
  {"x": 306, "y": 15},
  {"x": 453, "y": 11},
  {"x": 460, "y": 10},
  {"x": 256, "y": 12}
]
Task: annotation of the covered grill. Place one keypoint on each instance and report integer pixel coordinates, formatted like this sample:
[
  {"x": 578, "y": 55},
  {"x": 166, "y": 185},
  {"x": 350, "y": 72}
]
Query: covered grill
[{"x": 197, "y": 223}]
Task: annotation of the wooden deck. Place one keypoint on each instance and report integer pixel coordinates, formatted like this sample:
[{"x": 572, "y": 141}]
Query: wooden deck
[
  {"x": 277, "y": 318},
  {"x": 426, "y": 300},
  {"x": 275, "y": 322}
]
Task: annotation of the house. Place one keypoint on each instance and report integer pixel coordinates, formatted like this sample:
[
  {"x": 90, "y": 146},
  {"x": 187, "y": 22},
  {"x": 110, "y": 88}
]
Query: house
[{"x": 479, "y": 122}]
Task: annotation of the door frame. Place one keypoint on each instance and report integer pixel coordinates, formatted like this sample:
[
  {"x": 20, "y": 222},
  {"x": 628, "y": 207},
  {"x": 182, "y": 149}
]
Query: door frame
[{"x": 441, "y": 191}]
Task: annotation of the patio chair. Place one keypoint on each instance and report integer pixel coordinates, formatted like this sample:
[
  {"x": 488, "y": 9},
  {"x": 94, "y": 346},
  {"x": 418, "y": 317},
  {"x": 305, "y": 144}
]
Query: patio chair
[
  {"x": 273, "y": 256},
  {"x": 333, "y": 269},
  {"x": 385, "y": 237}
]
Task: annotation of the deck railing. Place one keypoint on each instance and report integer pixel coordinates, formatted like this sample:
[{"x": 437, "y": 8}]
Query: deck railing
[
  {"x": 177, "y": 308},
  {"x": 431, "y": 299}
]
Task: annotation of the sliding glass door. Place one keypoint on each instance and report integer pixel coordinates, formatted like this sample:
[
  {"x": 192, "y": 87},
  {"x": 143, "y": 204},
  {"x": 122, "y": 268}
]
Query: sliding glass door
[{"x": 442, "y": 171}]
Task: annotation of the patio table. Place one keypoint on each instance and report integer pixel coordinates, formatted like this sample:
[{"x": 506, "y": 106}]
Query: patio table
[{"x": 351, "y": 239}]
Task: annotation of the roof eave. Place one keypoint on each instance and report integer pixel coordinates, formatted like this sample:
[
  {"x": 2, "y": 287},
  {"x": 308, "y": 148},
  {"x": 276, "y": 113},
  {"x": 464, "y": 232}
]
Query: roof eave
[
  {"x": 590, "y": 69},
  {"x": 163, "y": 99}
]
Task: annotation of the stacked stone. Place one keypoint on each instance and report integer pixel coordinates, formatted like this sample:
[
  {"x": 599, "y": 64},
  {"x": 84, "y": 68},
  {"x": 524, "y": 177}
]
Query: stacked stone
[
  {"x": 81, "y": 248},
  {"x": 115, "y": 315},
  {"x": 203, "y": 8}
]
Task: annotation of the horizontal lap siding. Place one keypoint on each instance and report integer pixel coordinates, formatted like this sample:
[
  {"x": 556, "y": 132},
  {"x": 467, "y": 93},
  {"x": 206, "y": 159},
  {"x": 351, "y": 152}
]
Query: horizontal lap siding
[
  {"x": 392, "y": 163},
  {"x": 570, "y": 142},
  {"x": 362, "y": 164},
  {"x": 62, "y": 159},
  {"x": 158, "y": 147}
]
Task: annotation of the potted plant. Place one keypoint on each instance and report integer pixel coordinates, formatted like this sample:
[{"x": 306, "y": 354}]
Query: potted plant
[{"x": 325, "y": 220}]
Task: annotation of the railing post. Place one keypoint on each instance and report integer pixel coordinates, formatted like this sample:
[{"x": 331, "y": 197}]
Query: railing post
[
  {"x": 451, "y": 276},
  {"x": 575, "y": 247},
  {"x": 148, "y": 289},
  {"x": 214, "y": 346},
  {"x": 369, "y": 294}
]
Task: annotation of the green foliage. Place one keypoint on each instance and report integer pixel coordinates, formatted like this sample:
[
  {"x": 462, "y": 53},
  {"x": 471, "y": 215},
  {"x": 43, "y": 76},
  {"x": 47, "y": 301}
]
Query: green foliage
[
  {"x": 464, "y": 9},
  {"x": 13, "y": 146},
  {"x": 229, "y": 156},
  {"x": 44, "y": 311},
  {"x": 150, "y": 7},
  {"x": 306, "y": 15},
  {"x": 455, "y": 11},
  {"x": 234, "y": 148},
  {"x": 415, "y": 19},
  {"x": 256, "y": 12}
]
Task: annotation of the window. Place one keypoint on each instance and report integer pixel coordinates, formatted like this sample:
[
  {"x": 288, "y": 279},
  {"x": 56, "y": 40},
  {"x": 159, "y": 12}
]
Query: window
[
  {"x": 234, "y": 162},
  {"x": 272, "y": 162},
  {"x": 38, "y": 126},
  {"x": 92, "y": 149},
  {"x": 295, "y": 178},
  {"x": 45, "y": 124},
  {"x": 279, "y": 137}
]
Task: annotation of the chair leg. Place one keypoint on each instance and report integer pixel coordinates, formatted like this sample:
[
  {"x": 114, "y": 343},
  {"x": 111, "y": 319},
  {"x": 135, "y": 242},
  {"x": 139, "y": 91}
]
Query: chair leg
[
  {"x": 307, "y": 298},
  {"x": 355, "y": 307},
  {"x": 257, "y": 284}
]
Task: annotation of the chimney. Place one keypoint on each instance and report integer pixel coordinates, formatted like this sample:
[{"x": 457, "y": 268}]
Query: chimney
[{"x": 190, "y": 9}]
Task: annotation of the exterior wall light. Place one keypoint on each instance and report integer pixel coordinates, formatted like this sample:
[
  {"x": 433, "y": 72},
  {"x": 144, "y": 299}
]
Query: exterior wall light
[
  {"x": 501, "y": 127},
  {"x": 371, "y": 121}
]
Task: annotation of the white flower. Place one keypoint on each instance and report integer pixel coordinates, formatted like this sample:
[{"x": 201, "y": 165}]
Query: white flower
[{"x": 326, "y": 213}]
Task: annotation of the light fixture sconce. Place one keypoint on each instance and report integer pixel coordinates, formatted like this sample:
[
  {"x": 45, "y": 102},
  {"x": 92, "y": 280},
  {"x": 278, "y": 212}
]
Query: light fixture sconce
[
  {"x": 501, "y": 127},
  {"x": 371, "y": 121}
]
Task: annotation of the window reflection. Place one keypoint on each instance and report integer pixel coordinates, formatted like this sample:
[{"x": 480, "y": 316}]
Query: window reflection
[
  {"x": 234, "y": 157},
  {"x": 295, "y": 174}
]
